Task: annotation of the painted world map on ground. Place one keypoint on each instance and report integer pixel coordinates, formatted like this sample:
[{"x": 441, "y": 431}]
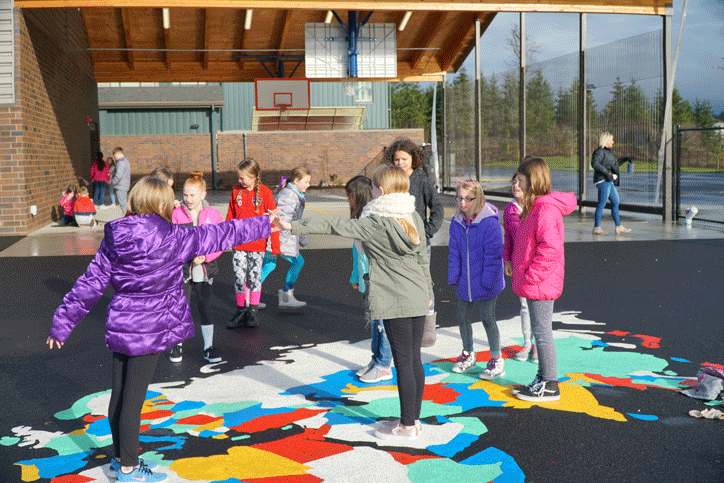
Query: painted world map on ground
[{"x": 305, "y": 418}]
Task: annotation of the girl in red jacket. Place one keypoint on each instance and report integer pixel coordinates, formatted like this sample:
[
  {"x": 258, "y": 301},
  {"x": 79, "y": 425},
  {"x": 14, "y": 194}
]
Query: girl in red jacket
[
  {"x": 248, "y": 199},
  {"x": 198, "y": 272},
  {"x": 538, "y": 268}
]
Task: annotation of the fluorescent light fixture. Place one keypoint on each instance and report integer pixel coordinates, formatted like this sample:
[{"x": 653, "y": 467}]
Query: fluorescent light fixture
[
  {"x": 166, "y": 18},
  {"x": 405, "y": 19},
  {"x": 247, "y": 20},
  {"x": 329, "y": 17}
]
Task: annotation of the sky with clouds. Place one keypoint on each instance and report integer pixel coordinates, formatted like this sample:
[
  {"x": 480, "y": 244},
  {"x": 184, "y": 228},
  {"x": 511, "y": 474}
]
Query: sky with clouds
[{"x": 702, "y": 43}]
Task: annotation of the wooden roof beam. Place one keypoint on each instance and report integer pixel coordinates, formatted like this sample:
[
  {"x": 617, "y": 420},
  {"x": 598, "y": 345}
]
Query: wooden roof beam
[
  {"x": 636, "y": 7},
  {"x": 207, "y": 34},
  {"x": 286, "y": 21},
  {"x": 449, "y": 51},
  {"x": 126, "y": 16},
  {"x": 426, "y": 39}
]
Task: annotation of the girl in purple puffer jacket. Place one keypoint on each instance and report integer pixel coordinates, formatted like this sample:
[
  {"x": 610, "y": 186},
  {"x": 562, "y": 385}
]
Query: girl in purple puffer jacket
[
  {"x": 475, "y": 267},
  {"x": 142, "y": 257}
]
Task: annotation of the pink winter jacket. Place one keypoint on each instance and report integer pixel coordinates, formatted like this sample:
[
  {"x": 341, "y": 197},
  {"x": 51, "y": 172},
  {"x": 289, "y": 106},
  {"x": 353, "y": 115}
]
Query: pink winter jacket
[{"x": 538, "y": 259}]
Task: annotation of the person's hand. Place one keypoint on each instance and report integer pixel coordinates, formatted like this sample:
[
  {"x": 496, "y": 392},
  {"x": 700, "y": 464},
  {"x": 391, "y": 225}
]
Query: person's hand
[
  {"x": 52, "y": 341},
  {"x": 355, "y": 286},
  {"x": 508, "y": 268},
  {"x": 176, "y": 203},
  {"x": 199, "y": 260},
  {"x": 277, "y": 223}
]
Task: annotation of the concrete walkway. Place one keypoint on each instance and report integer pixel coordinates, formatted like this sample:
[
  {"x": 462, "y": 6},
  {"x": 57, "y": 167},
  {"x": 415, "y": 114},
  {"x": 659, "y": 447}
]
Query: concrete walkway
[{"x": 56, "y": 240}]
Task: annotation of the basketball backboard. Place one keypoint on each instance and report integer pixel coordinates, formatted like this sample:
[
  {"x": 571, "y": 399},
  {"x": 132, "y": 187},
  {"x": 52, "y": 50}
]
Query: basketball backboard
[{"x": 281, "y": 94}]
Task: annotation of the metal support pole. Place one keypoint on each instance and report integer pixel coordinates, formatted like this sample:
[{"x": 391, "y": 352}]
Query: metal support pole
[
  {"x": 522, "y": 122},
  {"x": 352, "y": 33},
  {"x": 667, "y": 134},
  {"x": 212, "y": 131},
  {"x": 445, "y": 141},
  {"x": 478, "y": 106},
  {"x": 582, "y": 110}
]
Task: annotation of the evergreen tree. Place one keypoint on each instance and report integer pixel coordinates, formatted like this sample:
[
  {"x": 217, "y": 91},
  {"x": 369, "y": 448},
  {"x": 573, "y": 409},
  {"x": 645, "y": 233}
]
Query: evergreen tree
[
  {"x": 409, "y": 106},
  {"x": 540, "y": 106}
]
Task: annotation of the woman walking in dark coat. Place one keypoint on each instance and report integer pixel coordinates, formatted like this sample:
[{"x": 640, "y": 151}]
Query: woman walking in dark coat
[{"x": 606, "y": 178}]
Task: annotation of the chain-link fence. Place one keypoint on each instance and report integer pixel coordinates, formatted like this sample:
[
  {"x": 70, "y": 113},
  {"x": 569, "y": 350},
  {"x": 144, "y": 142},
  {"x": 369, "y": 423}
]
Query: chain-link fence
[
  {"x": 624, "y": 88},
  {"x": 699, "y": 175}
]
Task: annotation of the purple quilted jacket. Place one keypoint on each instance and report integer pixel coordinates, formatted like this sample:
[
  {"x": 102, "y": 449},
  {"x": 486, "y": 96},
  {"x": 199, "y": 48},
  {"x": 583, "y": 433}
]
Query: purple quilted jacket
[{"x": 142, "y": 257}]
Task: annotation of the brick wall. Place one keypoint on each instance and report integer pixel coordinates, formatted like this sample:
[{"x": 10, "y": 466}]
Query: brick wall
[
  {"x": 45, "y": 142},
  {"x": 179, "y": 153},
  {"x": 341, "y": 153}
]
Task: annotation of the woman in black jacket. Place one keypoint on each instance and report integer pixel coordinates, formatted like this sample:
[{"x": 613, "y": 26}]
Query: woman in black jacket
[{"x": 606, "y": 178}]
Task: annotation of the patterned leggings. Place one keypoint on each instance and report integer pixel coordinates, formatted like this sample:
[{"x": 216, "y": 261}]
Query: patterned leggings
[{"x": 247, "y": 271}]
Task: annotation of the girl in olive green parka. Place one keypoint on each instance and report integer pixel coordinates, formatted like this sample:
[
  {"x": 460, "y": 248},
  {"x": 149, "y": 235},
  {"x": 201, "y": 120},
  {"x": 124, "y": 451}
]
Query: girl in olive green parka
[{"x": 392, "y": 235}]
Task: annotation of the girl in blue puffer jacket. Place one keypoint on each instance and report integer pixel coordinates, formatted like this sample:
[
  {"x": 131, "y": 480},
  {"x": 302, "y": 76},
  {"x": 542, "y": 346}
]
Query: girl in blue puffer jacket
[
  {"x": 142, "y": 257},
  {"x": 475, "y": 267}
]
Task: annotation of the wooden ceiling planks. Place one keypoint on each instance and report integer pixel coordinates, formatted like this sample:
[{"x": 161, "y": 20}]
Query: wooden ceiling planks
[{"x": 206, "y": 39}]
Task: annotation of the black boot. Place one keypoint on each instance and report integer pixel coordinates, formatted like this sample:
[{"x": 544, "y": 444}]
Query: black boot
[
  {"x": 239, "y": 319},
  {"x": 253, "y": 319}
]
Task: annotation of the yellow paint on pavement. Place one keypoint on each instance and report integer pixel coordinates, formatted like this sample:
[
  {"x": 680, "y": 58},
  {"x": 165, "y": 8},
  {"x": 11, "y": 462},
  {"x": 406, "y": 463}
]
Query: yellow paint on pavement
[{"x": 241, "y": 462}]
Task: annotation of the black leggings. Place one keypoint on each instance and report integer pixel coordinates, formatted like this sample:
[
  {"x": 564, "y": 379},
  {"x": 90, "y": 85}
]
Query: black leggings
[
  {"x": 405, "y": 336},
  {"x": 131, "y": 377},
  {"x": 202, "y": 290}
]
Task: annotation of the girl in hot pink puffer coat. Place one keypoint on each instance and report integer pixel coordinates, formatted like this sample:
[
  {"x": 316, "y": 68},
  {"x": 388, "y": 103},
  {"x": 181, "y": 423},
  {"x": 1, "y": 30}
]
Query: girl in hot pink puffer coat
[{"x": 538, "y": 268}]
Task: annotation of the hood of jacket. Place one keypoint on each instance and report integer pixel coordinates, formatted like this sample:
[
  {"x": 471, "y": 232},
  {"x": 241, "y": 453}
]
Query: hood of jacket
[
  {"x": 487, "y": 212},
  {"x": 204, "y": 204},
  {"x": 134, "y": 238},
  {"x": 565, "y": 203},
  {"x": 390, "y": 207}
]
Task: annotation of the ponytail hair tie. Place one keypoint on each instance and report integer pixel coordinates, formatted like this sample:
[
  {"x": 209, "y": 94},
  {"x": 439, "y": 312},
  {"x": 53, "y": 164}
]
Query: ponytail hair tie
[{"x": 282, "y": 182}]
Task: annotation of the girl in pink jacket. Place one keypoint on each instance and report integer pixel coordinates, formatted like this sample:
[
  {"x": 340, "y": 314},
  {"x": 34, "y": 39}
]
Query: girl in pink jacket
[
  {"x": 198, "y": 272},
  {"x": 538, "y": 268}
]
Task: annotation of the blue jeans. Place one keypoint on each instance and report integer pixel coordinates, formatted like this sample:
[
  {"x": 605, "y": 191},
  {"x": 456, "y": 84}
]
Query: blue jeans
[
  {"x": 381, "y": 351},
  {"x": 486, "y": 312},
  {"x": 99, "y": 192},
  {"x": 607, "y": 190},
  {"x": 112, "y": 192}
]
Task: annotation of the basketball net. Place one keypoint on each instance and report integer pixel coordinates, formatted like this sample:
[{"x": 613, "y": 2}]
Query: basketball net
[
  {"x": 349, "y": 87},
  {"x": 283, "y": 112}
]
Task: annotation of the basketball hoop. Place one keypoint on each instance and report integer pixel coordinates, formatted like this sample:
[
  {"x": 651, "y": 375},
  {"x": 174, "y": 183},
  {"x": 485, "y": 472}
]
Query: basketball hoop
[
  {"x": 283, "y": 112},
  {"x": 349, "y": 87}
]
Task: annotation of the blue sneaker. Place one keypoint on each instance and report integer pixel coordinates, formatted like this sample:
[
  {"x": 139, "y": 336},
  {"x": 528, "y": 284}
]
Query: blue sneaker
[
  {"x": 116, "y": 465},
  {"x": 141, "y": 473}
]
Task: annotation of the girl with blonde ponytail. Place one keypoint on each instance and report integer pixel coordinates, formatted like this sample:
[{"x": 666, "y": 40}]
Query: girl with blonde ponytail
[{"x": 400, "y": 287}]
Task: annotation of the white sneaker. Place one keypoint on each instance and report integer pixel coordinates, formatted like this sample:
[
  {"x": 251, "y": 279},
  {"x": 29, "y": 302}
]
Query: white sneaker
[
  {"x": 464, "y": 363},
  {"x": 534, "y": 356},
  {"x": 494, "y": 370},
  {"x": 523, "y": 354},
  {"x": 365, "y": 369},
  {"x": 287, "y": 300},
  {"x": 376, "y": 374}
]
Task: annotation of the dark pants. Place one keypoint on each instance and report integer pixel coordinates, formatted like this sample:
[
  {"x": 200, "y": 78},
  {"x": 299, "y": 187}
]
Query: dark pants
[
  {"x": 405, "y": 336},
  {"x": 131, "y": 377},
  {"x": 202, "y": 291}
]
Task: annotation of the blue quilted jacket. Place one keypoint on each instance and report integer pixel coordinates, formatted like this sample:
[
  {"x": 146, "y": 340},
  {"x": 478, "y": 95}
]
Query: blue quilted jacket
[{"x": 475, "y": 262}]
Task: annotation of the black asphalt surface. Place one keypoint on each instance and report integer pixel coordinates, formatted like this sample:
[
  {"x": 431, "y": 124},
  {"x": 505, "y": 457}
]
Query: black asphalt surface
[{"x": 671, "y": 289}]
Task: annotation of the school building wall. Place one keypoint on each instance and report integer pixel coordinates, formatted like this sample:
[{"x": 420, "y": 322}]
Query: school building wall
[
  {"x": 45, "y": 143},
  {"x": 343, "y": 154}
]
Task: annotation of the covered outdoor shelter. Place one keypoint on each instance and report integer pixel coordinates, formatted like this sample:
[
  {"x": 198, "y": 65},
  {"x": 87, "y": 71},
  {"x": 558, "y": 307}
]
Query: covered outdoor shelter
[{"x": 63, "y": 48}]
